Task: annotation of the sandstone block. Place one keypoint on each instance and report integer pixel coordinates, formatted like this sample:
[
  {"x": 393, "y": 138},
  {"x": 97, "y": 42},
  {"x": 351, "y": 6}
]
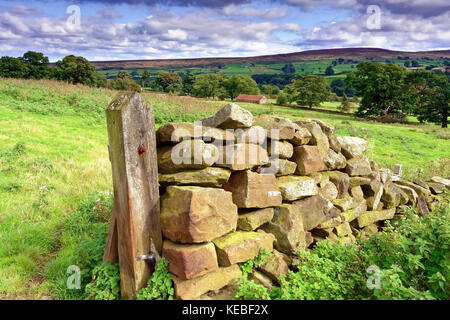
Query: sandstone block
[
  {"x": 352, "y": 147},
  {"x": 410, "y": 193},
  {"x": 328, "y": 130},
  {"x": 208, "y": 177},
  {"x": 279, "y": 167},
  {"x": 391, "y": 196},
  {"x": 293, "y": 187},
  {"x": 341, "y": 181},
  {"x": 347, "y": 239},
  {"x": 309, "y": 239},
  {"x": 352, "y": 214},
  {"x": 345, "y": 203},
  {"x": 421, "y": 192},
  {"x": 192, "y": 214},
  {"x": 186, "y": 155},
  {"x": 214, "y": 280},
  {"x": 373, "y": 193},
  {"x": 329, "y": 191},
  {"x": 176, "y": 132},
  {"x": 260, "y": 278},
  {"x": 445, "y": 182},
  {"x": 252, "y": 220},
  {"x": 343, "y": 229},
  {"x": 357, "y": 193},
  {"x": 301, "y": 137},
  {"x": 231, "y": 116},
  {"x": 287, "y": 227},
  {"x": 315, "y": 210},
  {"x": 334, "y": 160},
  {"x": 274, "y": 266},
  {"x": 277, "y": 128},
  {"x": 253, "y": 190},
  {"x": 318, "y": 137},
  {"x": 320, "y": 178},
  {"x": 241, "y": 156},
  {"x": 308, "y": 160},
  {"x": 359, "y": 166},
  {"x": 359, "y": 181},
  {"x": 240, "y": 246},
  {"x": 369, "y": 230},
  {"x": 370, "y": 217},
  {"x": 435, "y": 188},
  {"x": 281, "y": 149},
  {"x": 188, "y": 261},
  {"x": 330, "y": 224}
]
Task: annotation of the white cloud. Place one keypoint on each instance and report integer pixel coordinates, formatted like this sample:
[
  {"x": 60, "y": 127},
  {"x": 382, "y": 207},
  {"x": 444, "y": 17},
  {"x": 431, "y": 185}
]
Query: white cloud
[
  {"x": 265, "y": 13},
  {"x": 176, "y": 34},
  {"x": 231, "y": 30}
]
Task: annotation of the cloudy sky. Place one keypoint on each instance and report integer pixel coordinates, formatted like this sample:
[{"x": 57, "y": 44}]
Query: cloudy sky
[{"x": 138, "y": 29}]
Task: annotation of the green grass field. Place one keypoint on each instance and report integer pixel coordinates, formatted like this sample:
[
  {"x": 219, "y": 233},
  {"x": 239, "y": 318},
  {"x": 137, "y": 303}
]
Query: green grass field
[
  {"x": 55, "y": 175},
  {"x": 301, "y": 67}
]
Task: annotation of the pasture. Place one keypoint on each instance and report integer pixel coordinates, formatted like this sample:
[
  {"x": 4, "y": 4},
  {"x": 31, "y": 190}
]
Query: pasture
[{"x": 55, "y": 178}]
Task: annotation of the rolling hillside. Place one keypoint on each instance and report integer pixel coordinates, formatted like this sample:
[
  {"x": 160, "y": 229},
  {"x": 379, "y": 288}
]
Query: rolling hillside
[{"x": 346, "y": 53}]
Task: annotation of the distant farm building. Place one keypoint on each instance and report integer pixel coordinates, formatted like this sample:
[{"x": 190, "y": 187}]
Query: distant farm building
[
  {"x": 252, "y": 99},
  {"x": 443, "y": 69}
]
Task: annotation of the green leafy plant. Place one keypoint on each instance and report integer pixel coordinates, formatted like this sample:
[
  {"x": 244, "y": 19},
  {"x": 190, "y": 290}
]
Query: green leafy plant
[
  {"x": 249, "y": 289},
  {"x": 258, "y": 261},
  {"x": 160, "y": 284},
  {"x": 412, "y": 256},
  {"x": 105, "y": 283}
]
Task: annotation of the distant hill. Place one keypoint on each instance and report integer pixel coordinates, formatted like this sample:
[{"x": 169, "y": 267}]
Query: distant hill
[{"x": 345, "y": 53}]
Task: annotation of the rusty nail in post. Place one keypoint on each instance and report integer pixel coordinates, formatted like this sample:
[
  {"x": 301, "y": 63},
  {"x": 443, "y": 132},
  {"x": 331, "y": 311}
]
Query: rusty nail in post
[{"x": 142, "y": 149}]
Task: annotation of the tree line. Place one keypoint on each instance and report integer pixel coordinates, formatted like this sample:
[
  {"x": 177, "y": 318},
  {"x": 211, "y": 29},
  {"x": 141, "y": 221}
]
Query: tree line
[
  {"x": 208, "y": 85},
  {"x": 389, "y": 90},
  {"x": 386, "y": 90},
  {"x": 34, "y": 65}
]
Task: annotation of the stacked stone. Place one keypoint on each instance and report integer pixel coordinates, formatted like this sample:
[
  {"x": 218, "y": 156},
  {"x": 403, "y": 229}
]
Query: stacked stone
[{"x": 272, "y": 184}]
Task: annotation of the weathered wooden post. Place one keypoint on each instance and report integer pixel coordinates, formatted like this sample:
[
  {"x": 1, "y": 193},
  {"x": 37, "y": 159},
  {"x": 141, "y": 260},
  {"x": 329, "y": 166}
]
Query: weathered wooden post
[{"x": 134, "y": 229}]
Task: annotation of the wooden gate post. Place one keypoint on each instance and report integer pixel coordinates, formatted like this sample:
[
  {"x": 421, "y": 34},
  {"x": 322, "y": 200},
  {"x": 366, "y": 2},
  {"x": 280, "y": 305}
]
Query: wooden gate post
[{"x": 135, "y": 229}]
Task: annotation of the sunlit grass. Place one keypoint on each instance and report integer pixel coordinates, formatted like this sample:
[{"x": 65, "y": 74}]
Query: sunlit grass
[{"x": 65, "y": 160}]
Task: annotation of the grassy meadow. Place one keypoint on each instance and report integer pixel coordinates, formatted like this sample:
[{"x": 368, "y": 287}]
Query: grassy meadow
[{"x": 55, "y": 179}]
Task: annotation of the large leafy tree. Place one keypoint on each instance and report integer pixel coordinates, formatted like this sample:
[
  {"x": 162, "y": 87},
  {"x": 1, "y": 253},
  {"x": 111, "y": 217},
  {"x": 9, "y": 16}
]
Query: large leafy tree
[
  {"x": 145, "y": 77},
  {"x": 240, "y": 84},
  {"x": 37, "y": 65},
  {"x": 290, "y": 92},
  {"x": 169, "y": 81},
  {"x": 270, "y": 89},
  {"x": 339, "y": 87},
  {"x": 209, "y": 85},
  {"x": 429, "y": 93},
  {"x": 13, "y": 67},
  {"x": 381, "y": 86},
  {"x": 76, "y": 70},
  {"x": 122, "y": 74},
  {"x": 188, "y": 82},
  {"x": 329, "y": 71},
  {"x": 311, "y": 90},
  {"x": 288, "y": 68}
]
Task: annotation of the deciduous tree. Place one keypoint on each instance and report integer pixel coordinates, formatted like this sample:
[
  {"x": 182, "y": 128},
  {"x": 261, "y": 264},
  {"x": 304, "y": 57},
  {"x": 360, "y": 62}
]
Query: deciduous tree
[
  {"x": 311, "y": 90},
  {"x": 381, "y": 86}
]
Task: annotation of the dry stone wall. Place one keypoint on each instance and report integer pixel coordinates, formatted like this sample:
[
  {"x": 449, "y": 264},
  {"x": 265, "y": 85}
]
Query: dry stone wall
[{"x": 268, "y": 183}]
